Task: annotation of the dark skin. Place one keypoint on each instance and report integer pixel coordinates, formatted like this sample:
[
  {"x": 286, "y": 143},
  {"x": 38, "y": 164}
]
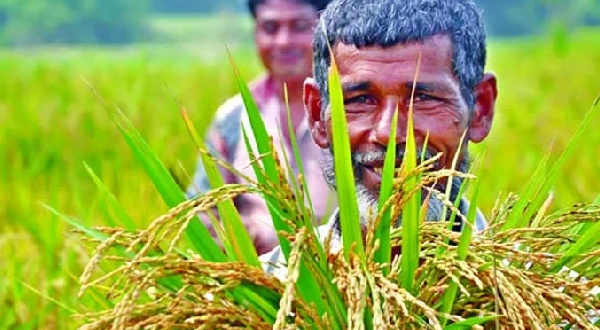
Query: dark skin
[{"x": 377, "y": 81}]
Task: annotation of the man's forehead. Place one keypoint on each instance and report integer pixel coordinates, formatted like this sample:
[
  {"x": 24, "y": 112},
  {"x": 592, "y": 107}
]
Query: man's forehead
[
  {"x": 437, "y": 47},
  {"x": 281, "y": 10},
  {"x": 435, "y": 55}
]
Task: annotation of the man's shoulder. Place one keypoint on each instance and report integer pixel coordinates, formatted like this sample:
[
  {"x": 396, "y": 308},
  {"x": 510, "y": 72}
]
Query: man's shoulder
[{"x": 233, "y": 106}]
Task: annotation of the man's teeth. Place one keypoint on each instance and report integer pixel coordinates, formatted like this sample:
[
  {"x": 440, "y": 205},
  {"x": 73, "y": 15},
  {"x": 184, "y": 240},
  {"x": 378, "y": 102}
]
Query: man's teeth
[{"x": 378, "y": 170}]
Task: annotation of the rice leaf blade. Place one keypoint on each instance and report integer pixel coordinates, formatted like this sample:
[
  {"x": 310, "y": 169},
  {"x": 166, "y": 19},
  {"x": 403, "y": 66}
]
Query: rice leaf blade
[
  {"x": 411, "y": 213},
  {"x": 344, "y": 174},
  {"x": 463, "y": 248},
  {"x": 469, "y": 323},
  {"x": 585, "y": 243},
  {"x": 170, "y": 283},
  {"x": 307, "y": 283},
  {"x": 306, "y": 214},
  {"x": 110, "y": 206},
  {"x": 545, "y": 182},
  {"x": 238, "y": 239},
  {"x": 259, "y": 130},
  {"x": 198, "y": 235},
  {"x": 382, "y": 233},
  {"x": 461, "y": 192},
  {"x": 554, "y": 171},
  {"x": 263, "y": 142},
  {"x": 296, "y": 150},
  {"x": 516, "y": 216}
]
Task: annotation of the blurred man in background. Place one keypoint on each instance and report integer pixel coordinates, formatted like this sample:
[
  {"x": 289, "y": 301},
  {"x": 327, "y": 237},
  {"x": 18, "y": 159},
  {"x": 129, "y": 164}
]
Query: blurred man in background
[{"x": 283, "y": 35}]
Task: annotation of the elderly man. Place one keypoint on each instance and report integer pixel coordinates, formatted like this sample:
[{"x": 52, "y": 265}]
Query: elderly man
[
  {"x": 283, "y": 35},
  {"x": 376, "y": 44}
]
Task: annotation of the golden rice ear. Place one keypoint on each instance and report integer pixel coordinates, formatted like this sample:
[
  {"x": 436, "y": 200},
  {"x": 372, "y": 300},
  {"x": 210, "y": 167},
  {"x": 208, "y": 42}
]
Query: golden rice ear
[{"x": 494, "y": 282}]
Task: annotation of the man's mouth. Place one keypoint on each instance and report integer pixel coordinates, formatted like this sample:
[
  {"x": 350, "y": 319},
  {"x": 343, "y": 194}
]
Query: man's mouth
[
  {"x": 376, "y": 169},
  {"x": 372, "y": 173},
  {"x": 377, "y": 165},
  {"x": 287, "y": 56},
  {"x": 370, "y": 165}
]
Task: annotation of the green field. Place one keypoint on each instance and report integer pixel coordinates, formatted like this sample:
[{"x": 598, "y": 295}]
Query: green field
[{"x": 51, "y": 122}]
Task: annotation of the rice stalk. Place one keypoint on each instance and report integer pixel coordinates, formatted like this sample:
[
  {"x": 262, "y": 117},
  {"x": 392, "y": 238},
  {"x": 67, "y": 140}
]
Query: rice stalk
[{"x": 530, "y": 295}]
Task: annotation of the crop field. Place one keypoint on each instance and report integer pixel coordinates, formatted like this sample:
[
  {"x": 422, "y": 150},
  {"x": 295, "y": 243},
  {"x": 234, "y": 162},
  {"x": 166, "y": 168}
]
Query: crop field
[{"x": 53, "y": 125}]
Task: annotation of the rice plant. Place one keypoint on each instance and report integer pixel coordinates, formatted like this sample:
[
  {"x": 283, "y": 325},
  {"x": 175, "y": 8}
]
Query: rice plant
[{"x": 529, "y": 270}]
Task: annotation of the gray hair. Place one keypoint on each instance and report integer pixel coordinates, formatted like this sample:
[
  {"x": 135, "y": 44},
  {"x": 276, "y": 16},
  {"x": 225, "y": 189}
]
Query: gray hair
[{"x": 387, "y": 23}]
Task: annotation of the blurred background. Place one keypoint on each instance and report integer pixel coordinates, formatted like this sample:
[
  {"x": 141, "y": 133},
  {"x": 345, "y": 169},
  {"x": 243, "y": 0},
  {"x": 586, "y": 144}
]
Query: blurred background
[{"x": 60, "y": 60}]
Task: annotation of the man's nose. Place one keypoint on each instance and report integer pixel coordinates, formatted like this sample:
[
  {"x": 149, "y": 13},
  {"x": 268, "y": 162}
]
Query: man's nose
[
  {"x": 283, "y": 37},
  {"x": 383, "y": 128}
]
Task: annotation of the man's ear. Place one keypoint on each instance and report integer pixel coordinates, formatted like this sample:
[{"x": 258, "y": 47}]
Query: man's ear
[
  {"x": 312, "y": 106},
  {"x": 486, "y": 94}
]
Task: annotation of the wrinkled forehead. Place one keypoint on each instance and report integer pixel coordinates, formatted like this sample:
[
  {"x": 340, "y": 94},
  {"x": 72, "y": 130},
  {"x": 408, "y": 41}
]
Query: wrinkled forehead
[
  {"x": 285, "y": 10},
  {"x": 431, "y": 57}
]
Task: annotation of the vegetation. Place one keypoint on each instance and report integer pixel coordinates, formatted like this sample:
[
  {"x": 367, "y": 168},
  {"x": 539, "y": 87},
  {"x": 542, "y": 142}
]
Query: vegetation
[
  {"x": 510, "y": 277},
  {"x": 39, "y": 22},
  {"x": 52, "y": 122},
  {"x": 68, "y": 21}
]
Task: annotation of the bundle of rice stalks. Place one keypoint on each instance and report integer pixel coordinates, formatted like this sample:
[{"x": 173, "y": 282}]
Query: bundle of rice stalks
[
  {"x": 508, "y": 280},
  {"x": 529, "y": 269}
]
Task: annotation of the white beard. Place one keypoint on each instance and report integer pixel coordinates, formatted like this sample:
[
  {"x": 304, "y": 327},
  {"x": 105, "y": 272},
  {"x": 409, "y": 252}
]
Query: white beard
[{"x": 368, "y": 200}]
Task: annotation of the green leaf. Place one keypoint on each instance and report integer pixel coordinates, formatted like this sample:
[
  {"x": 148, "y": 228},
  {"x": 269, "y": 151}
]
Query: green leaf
[
  {"x": 238, "y": 241},
  {"x": 382, "y": 233},
  {"x": 297, "y": 156},
  {"x": 449, "y": 183},
  {"x": 308, "y": 282},
  {"x": 263, "y": 143},
  {"x": 200, "y": 238},
  {"x": 585, "y": 243},
  {"x": 582, "y": 228},
  {"x": 469, "y": 323},
  {"x": 551, "y": 177},
  {"x": 259, "y": 131},
  {"x": 411, "y": 219},
  {"x": 461, "y": 192},
  {"x": 344, "y": 174},
  {"x": 515, "y": 218},
  {"x": 463, "y": 249},
  {"x": 198, "y": 235},
  {"x": 111, "y": 208},
  {"x": 171, "y": 284},
  {"x": 308, "y": 216}
]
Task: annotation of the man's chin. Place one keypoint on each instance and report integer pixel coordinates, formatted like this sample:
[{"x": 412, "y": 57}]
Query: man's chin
[
  {"x": 368, "y": 201},
  {"x": 370, "y": 179},
  {"x": 290, "y": 73}
]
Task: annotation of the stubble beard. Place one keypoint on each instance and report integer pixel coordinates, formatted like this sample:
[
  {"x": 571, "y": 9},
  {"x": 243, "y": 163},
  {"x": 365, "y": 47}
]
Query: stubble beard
[{"x": 368, "y": 200}]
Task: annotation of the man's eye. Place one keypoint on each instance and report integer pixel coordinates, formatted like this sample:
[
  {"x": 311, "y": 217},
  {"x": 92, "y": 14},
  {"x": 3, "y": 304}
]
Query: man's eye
[
  {"x": 363, "y": 99},
  {"x": 270, "y": 27},
  {"x": 301, "y": 25},
  {"x": 421, "y": 97}
]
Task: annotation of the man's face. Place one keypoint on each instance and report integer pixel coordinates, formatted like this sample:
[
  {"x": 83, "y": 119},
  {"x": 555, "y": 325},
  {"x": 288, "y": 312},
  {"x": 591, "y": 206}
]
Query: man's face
[
  {"x": 376, "y": 82},
  {"x": 284, "y": 37}
]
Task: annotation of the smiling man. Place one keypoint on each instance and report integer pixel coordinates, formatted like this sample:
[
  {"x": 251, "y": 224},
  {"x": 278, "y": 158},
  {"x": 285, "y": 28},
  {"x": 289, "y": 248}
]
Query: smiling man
[{"x": 377, "y": 44}]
